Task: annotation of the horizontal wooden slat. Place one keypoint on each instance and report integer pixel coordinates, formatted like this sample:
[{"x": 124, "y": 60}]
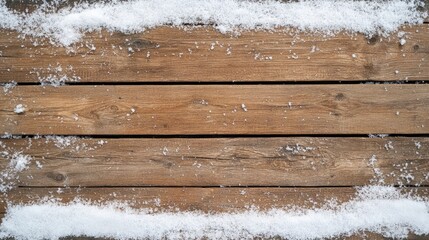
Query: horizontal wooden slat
[
  {"x": 195, "y": 199},
  {"x": 172, "y": 55},
  {"x": 188, "y": 199},
  {"x": 223, "y": 161},
  {"x": 217, "y": 109}
]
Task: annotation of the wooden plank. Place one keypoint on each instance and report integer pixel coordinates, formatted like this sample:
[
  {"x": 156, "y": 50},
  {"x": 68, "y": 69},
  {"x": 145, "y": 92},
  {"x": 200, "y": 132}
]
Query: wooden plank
[
  {"x": 217, "y": 109},
  {"x": 172, "y": 55},
  {"x": 207, "y": 200},
  {"x": 223, "y": 161},
  {"x": 188, "y": 199}
]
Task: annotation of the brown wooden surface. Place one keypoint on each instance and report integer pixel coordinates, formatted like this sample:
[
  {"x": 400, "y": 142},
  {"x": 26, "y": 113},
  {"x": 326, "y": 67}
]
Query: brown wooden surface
[
  {"x": 190, "y": 199},
  {"x": 186, "y": 56},
  {"x": 223, "y": 161},
  {"x": 204, "y": 173},
  {"x": 196, "y": 199},
  {"x": 217, "y": 109}
]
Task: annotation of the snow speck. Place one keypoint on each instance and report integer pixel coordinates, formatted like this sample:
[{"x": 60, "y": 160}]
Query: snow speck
[
  {"x": 39, "y": 165},
  {"x": 402, "y": 41},
  {"x": 19, "y": 109},
  {"x": 401, "y": 34},
  {"x": 418, "y": 145},
  {"x": 165, "y": 151},
  {"x": 243, "y": 106},
  {"x": 388, "y": 146}
]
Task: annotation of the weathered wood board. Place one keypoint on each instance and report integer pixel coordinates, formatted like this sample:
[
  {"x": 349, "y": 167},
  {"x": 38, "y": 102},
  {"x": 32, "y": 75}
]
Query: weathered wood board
[
  {"x": 203, "y": 55},
  {"x": 217, "y": 109},
  {"x": 214, "y": 162}
]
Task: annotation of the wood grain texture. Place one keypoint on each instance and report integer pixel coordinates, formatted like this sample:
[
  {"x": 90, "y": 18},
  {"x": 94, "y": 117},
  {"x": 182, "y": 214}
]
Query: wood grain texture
[
  {"x": 217, "y": 109},
  {"x": 222, "y": 161},
  {"x": 208, "y": 200},
  {"x": 189, "y": 199},
  {"x": 203, "y": 55}
]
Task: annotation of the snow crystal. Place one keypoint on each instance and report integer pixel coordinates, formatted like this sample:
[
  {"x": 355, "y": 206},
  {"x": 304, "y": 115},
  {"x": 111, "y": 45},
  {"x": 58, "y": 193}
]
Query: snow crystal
[
  {"x": 19, "y": 109},
  {"x": 402, "y": 41},
  {"x": 383, "y": 210},
  {"x": 66, "y": 26}
]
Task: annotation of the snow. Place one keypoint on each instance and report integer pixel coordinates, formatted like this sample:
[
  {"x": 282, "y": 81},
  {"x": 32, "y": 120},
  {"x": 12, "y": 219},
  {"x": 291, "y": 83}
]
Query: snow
[
  {"x": 18, "y": 162},
  {"x": 19, "y": 109},
  {"x": 378, "y": 135},
  {"x": 297, "y": 149},
  {"x": 328, "y": 17},
  {"x": 55, "y": 75},
  {"x": 378, "y": 209},
  {"x": 7, "y": 87}
]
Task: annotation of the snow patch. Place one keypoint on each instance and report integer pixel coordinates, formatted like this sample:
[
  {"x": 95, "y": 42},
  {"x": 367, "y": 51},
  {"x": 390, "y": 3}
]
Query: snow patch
[
  {"x": 328, "y": 17},
  {"x": 383, "y": 210}
]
